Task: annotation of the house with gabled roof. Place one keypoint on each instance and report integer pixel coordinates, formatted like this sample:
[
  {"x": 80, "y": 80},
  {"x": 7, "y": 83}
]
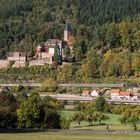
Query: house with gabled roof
[
  {"x": 117, "y": 94},
  {"x": 95, "y": 93},
  {"x": 86, "y": 93}
]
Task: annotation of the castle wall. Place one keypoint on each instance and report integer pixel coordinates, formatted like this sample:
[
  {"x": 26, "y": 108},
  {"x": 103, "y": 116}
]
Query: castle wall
[
  {"x": 41, "y": 62},
  {"x": 19, "y": 64}
]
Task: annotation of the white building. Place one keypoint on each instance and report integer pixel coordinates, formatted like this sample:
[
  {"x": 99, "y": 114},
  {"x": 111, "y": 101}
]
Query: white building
[
  {"x": 51, "y": 44},
  {"x": 95, "y": 93},
  {"x": 116, "y": 94},
  {"x": 135, "y": 97},
  {"x": 17, "y": 56}
]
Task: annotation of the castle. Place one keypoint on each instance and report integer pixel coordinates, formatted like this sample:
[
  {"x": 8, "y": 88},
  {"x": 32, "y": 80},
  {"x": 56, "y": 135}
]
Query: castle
[{"x": 44, "y": 54}]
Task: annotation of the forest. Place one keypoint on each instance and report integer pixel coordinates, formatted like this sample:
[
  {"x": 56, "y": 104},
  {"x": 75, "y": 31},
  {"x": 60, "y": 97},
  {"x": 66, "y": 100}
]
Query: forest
[{"x": 107, "y": 35}]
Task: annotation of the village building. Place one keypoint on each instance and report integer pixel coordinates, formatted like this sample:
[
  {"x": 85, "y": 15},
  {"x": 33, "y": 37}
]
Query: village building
[
  {"x": 44, "y": 54},
  {"x": 86, "y": 93},
  {"x": 17, "y": 56},
  {"x": 135, "y": 97},
  {"x": 117, "y": 94},
  {"x": 95, "y": 93},
  {"x": 50, "y": 45},
  {"x": 47, "y": 57}
]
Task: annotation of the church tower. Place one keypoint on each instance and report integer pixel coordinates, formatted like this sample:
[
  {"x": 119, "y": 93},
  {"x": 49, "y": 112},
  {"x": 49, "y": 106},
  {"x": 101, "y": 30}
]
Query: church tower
[{"x": 67, "y": 32}]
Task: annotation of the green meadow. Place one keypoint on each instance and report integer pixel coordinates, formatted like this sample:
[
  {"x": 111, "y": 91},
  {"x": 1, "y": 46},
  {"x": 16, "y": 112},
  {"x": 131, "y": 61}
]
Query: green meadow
[
  {"x": 83, "y": 132},
  {"x": 113, "y": 123}
]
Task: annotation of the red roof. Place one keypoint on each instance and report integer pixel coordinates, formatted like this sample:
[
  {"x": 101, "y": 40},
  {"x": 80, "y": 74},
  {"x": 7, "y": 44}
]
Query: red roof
[
  {"x": 86, "y": 93},
  {"x": 114, "y": 91},
  {"x": 125, "y": 93},
  {"x": 121, "y": 93}
]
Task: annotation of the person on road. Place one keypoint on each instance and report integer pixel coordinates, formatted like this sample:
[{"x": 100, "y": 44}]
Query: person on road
[{"x": 107, "y": 128}]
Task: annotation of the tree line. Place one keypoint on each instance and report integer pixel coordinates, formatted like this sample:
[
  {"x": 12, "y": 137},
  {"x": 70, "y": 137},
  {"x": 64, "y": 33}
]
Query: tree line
[{"x": 22, "y": 111}]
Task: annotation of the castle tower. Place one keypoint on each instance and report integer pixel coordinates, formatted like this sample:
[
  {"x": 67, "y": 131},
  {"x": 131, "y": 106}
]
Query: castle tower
[
  {"x": 39, "y": 51},
  {"x": 67, "y": 32}
]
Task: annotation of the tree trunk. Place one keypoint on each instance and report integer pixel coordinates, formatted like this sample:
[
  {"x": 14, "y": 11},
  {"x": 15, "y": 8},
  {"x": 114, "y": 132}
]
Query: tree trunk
[
  {"x": 135, "y": 127},
  {"x": 100, "y": 122},
  {"x": 79, "y": 122}
]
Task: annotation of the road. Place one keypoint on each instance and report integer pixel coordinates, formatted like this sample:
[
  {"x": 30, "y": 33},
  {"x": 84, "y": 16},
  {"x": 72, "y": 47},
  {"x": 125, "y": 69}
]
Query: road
[
  {"x": 72, "y": 98},
  {"x": 23, "y": 84},
  {"x": 25, "y": 130},
  {"x": 94, "y": 85}
]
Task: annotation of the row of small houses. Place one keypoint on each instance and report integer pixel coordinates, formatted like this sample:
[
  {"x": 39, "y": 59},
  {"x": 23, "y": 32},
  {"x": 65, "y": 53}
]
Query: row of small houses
[{"x": 115, "y": 94}]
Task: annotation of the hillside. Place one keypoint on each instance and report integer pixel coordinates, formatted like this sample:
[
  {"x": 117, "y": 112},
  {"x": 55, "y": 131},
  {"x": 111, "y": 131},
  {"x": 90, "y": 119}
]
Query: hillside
[
  {"x": 24, "y": 23},
  {"x": 103, "y": 30}
]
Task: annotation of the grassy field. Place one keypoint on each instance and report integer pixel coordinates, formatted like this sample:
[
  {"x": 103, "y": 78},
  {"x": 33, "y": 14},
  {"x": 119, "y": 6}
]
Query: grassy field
[
  {"x": 87, "y": 132},
  {"x": 67, "y": 136},
  {"x": 113, "y": 123},
  {"x": 66, "y": 113},
  {"x": 114, "y": 118}
]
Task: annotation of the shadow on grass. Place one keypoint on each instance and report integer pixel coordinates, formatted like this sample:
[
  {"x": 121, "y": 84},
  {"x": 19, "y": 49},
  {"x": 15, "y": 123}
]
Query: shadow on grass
[
  {"x": 91, "y": 125},
  {"x": 18, "y": 130}
]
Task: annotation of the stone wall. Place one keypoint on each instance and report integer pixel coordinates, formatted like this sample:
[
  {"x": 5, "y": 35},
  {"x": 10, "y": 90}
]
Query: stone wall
[
  {"x": 39, "y": 62},
  {"x": 19, "y": 64},
  {"x": 21, "y": 58}
]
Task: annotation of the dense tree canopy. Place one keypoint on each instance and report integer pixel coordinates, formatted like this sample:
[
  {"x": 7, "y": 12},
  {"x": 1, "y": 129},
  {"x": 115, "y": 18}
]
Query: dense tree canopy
[
  {"x": 29, "y": 112},
  {"x": 103, "y": 31},
  {"x": 24, "y": 23},
  {"x": 8, "y": 106}
]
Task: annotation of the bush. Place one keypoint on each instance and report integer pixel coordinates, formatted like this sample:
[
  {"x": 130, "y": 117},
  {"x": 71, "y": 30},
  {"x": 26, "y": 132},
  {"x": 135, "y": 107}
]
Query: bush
[
  {"x": 108, "y": 108},
  {"x": 65, "y": 123},
  {"x": 8, "y": 106},
  {"x": 17, "y": 88},
  {"x": 50, "y": 85},
  {"x": 100, "y": 104},
  {"x": 61, "y": 90},
  {"x": 80, "y": 106},
  {"x": 37, "y": 113}
]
